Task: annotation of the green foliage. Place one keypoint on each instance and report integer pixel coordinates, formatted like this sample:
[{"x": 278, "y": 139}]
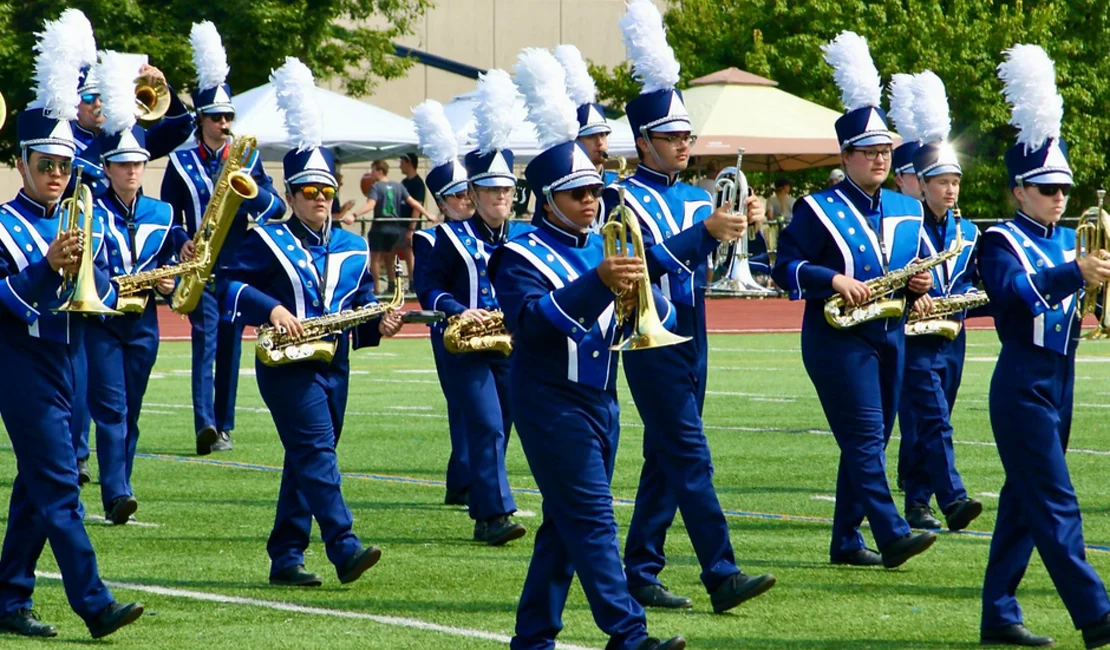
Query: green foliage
[
  {"x": 346, "y": 39},
  {"x": 960, "y": 40}
]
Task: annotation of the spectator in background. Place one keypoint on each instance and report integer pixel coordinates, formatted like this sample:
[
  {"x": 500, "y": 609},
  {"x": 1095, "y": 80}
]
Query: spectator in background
[
  {"x": 339, "y": 212},
  {"x": 414, "y": 184},
  {"x": 521, "y": 196},
  {"x": 388, "y": 230},
  {"x": 781, "y": 204},
  {"x": 712, "y": 168},
  {"x": 835, "y": 176}
]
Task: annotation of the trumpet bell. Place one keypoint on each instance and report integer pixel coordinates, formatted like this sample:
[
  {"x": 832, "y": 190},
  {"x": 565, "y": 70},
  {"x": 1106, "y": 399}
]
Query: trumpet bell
[
  {"x": 152, "y": 100},
  {"x": 648, "y": 340}
]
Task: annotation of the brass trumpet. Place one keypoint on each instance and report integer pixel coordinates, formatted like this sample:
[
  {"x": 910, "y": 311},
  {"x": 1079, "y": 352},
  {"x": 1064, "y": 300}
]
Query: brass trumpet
[
  {"x": 1091, "y": 236},
  {"x": 76, "y": 216},
  {"x": 648, "y": 332},
  {"x": 152, "y": 100}
]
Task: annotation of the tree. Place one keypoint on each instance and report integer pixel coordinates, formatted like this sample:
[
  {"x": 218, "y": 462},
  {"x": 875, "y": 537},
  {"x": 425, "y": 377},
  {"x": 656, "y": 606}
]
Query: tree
[
  {"x": 332, "y": 37},
  {"x": 960, "y": 40}
]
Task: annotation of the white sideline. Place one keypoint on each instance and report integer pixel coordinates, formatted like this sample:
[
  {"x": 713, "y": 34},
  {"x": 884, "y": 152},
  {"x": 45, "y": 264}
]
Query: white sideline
[{"x": 396, "y": 621}]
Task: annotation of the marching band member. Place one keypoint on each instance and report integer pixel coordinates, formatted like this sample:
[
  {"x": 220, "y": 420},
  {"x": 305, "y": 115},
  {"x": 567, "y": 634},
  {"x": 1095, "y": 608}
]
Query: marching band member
[
  {"x": 122, "y": 349},
  {"x": 1034, "y": 280},
  {"x": 680, "y": 229},
  {"x": 38, "y": 350},
  {"x": 283, "y": 273},
  {"x": 552, "y": 282},
  {"x": 187, "y": 186},
  {"x": 840, "y": 238},
  {"x": 934, "y": 365},
  {"x": 458, "y": 285},
  {"x": 447, "y": 183}
]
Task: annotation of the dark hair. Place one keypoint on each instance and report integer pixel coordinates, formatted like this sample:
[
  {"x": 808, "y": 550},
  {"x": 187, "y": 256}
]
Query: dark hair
[
  {"x": 782, "y": 182},
  {"x": 411, "y": 158}
]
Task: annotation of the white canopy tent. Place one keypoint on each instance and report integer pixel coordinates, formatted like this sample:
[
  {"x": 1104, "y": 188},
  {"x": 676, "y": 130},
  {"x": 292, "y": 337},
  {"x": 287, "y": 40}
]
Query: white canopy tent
[
  {"x": 355, "y": 131},
  {"x": 523, "y": 142}
]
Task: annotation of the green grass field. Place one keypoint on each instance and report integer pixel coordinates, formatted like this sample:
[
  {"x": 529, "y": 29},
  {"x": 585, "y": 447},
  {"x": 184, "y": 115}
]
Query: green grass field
[{"x": 204, "y": 522}]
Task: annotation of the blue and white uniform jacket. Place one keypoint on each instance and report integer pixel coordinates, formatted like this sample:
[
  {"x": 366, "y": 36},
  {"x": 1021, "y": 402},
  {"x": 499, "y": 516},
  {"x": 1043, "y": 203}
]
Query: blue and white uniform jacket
[
  {"x": 559, "y": 311},
  {"x": 29, "y": 288},
  {"x": 138, "y": 236},
  {"x": 423, "y": 247},
  {"x": 1034, "y": 283},
  {"x": 959, "y": 275},
  {"x": 188, "y": 185}
]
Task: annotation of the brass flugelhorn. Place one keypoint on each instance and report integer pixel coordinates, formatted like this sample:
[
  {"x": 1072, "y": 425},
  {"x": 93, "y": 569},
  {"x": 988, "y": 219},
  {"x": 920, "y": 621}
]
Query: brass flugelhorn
[
  {"x": 152, "y": 100},
  {"x": 1091, "y": 236},
  {"x": 76, "y": 216},
  {"x": 731, "y": 191}
]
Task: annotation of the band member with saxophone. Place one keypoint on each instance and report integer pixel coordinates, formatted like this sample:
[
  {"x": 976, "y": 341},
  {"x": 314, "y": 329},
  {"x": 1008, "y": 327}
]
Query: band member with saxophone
[
  {"x": 122, "y": 349},
  {"x": 447, "y": 183},
  {"x": 277, "y": 277},
  {"x": 934, "y": 363},
  {"x": 456, "y": 283},
  {"x": 1031, "y": 272},
  {"x": 37, "y": 355},
  {"x": 680, "y": 230},
  {"x": 556, "y": 285},
  {"x": 188, "y": 186},
  {"x": 840, "y": 238}
]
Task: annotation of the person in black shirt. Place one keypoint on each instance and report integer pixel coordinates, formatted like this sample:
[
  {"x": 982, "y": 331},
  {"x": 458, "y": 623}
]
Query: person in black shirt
[{"x": 414, "y": 184}]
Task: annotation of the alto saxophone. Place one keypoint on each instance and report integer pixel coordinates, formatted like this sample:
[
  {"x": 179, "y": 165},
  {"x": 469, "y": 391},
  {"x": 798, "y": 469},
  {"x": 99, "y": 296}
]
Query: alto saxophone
[
  {"x": 882, "y": 303},
  {"x": 464, "y": 335},
  {"x": 232, "y": 188},
  {"x": 133, "y": 288},
  {"x": 936, "y": 322}
]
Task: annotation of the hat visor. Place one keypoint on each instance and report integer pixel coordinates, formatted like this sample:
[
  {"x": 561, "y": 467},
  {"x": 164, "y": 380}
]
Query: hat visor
[
  {"x": 872, "y": 140},
  {"x": 677, "y": 125},
  {"x": 127, "y": 156},
  {"x": 495, "y": 181},
  {"x": 1051, "y": 177},
  {"x": 217, "y": 109},
  {"x": 904, "y": 169},
  {"x": 594, "y": 129},
  {"x": 452, "y": 188},
  {"x": 582, "y": 179},
  {"x": 60, "y": 150},
  {"x": 313, "y": 178},
  {"x": 943, "y": 169}
]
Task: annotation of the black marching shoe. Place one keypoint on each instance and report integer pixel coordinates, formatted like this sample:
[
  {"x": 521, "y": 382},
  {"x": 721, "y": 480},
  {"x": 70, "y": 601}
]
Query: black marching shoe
[
  {"x": 737, "y": 588},
  {"x": 498, "y": 531},
  {"x": 24, "y": 623},
  {"x": 896, "y": 553},
  {"x": 206, "y": 437},
  {"x": 113, "y": 617},
  {"x": 858, "y": 557},
  {"x": 456, "y": 498},
  {"x": 223, "y": 442},
  {"x": 673, "y": 643},
  {"x": 121, "y": 510},
  {"x": 295, "y": 576},
  {"x": 1015, "y": 634},
  {"x": 83, "y": 474},
  {"x": 359, "y": 563},
  {"x": 1098, "y": 634},
  {"x": 962, "y": 512},
  {"x": 659, "y": 596},
  {"x": 921, "y": 517}
]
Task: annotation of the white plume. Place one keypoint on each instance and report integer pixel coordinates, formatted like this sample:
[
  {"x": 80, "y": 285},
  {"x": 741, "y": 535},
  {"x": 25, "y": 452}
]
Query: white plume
[
  {"x": 853, "y": 71},
  {"x": 1030, "y": 87},
  {"x": 580, "y": 85},
  {"x": 209, "y": 56},
  {"x": 543, "y": 82},
  {"x": 116, "y": 74},
  {"x": 437, "y": 139},
  {"x": 295, "y": 91},
  {"x": 931, "y": 107},
  {"x": 496, "y": 113},
  {"x": 902, "y": 107},
  {"x": 653, "y": 62},
  {"x": 61, "y": 51}
]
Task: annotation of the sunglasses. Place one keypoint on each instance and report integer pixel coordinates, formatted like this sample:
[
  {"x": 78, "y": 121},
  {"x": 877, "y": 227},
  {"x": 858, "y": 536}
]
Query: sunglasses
[
  {"x": 456, "y": 195},
  {"x": 310, "y": 192},
  {"x": 1051, "y": 190},
  {"x": 47, "y": 165},
  {"x": 222, "y": 117},
  {"x": 580, "y": 193},
  {"x": 89, "y": 98}
]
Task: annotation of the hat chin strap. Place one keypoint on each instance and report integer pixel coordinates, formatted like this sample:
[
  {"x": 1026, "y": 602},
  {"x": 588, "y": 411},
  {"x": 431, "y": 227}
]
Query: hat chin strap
[{"x": 30, "y": 181}]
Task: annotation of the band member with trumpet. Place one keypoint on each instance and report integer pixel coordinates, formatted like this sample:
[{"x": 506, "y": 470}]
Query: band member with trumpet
[
  {"x": 1033, "y": 276},
  {"x": 933, "y": 362},
  {"x": 188, "y": 186},
  {"x": 38, "y": 352},
  {"x": 556, "y": 285},
  {"x": 278, "y": 277},
  {"x": 840, "y": 238},
  {"x": 447, "y": 183},
  {"x": 456, "y": 283},
  {"x": 680, "y": 229}
]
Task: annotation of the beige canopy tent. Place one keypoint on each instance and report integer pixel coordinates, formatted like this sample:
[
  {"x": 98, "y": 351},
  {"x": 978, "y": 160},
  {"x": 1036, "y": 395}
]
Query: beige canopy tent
[{"x": 778, "y": 131}]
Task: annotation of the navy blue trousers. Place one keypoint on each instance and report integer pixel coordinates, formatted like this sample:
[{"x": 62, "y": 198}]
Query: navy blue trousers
[
  {"x": 458, "y": 464},
  {"x": 37, "y": 408},
  {"x": 121, "y": 351},
  {"x": 479, "y": 383},
  {"x": 931, "y": 380},
  {"x": 81, "y": 423},
  {"x": 1030, "y": 409},
  {"x": 858, "y": 377},
  {"x": 216, "y": 342},
  {"x": 571, "y": 445}
]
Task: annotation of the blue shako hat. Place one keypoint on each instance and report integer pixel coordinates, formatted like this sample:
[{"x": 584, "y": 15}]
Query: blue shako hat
[
  {"x": 864, "y": 122},
  {"x": 582, "y": 91},
  {"x": 212, "y": 93},
  {"x": 901, "y": 111},
  {"x": 447, "y": 179},
  {"x": 440, "y": 143},
  {"x": 902, "y": 162},
  {"x": 308, "y": 161},
  {"x": 120, "y": 138},
  {"x": 562, "y": 167},
  {"x": 1040, "y": 156},
  {"x": 128, "y": 146},
  {"x": 496, "y": 115},
  {"x": 936, "y": 156},
  {"x": 659, "y": 107},
  {"x": 62, "y": 50}
]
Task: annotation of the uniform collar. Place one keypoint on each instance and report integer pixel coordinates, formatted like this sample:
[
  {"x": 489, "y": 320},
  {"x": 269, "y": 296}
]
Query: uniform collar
[
  {"x": 863, "y": 200},
  {"x": 487, "y": 234},
  {"x": 120, "y": 206},
  {"x": 207, "y": 153},
  {"x": 934, "y": 218},
  {"x": 574, "y": 240},
  {"x": 658, "y": 178},
  {"x": 86, "y": 135},
  {"x": 31, "y": 206},
  {"x": 1034, "y": 227},
  {"x": 306, "y": 235}
]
